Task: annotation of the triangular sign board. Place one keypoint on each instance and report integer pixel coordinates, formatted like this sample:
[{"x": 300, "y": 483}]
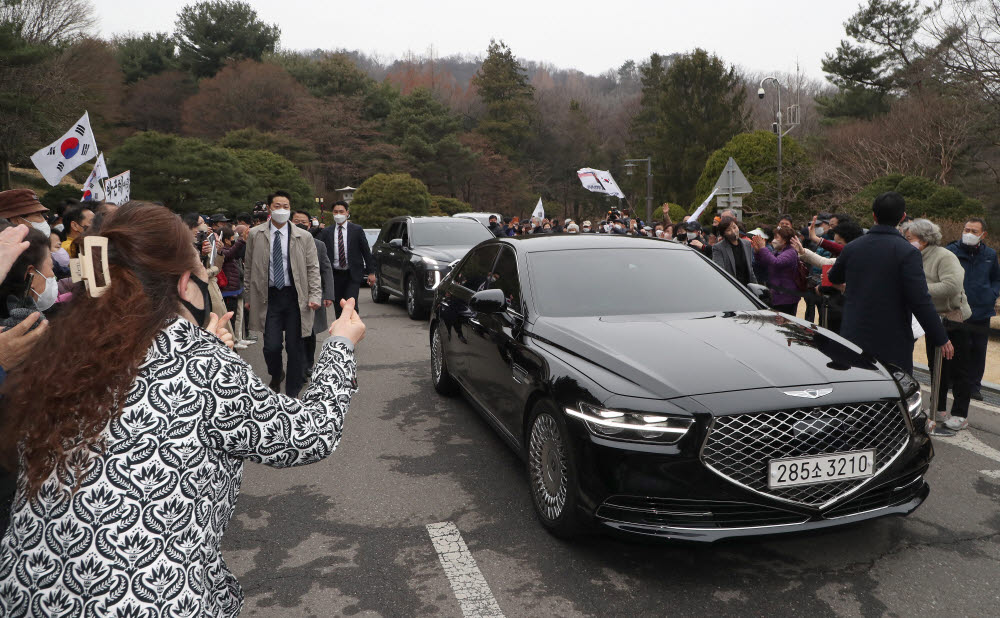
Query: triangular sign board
[{"x": 732, "y": 180}]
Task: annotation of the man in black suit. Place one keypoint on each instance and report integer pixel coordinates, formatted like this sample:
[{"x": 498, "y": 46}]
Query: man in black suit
[
  {"x": 886, "y": 285},
  {"x": 350, "y": 255}
]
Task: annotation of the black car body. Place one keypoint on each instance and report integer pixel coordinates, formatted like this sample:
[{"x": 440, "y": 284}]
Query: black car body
[
  {"x": 570, "y": 354},
  {"x": 413, "y": 254}
]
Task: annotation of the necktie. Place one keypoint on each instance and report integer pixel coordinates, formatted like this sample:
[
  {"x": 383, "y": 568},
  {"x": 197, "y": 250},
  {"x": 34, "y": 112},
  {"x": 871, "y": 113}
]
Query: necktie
[
  {"x": 277, "y": 263},
  {"x": 341, "y": 249}
]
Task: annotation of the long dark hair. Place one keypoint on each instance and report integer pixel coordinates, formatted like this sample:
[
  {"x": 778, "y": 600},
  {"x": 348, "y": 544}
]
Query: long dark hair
[{"x": 65, "y": 394}]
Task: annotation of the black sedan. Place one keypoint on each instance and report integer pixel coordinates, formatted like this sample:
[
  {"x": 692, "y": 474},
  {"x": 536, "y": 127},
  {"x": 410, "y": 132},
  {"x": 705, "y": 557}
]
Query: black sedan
[
  {"x": 413, "y": 254},
  {"x": 650, "y": 393}
]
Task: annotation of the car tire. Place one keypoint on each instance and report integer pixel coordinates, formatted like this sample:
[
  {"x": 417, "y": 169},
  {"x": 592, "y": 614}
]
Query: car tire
[
  {"x": 379, "y": 295},
  {"x": 552, "y": 472},
  {"x": 444, "y": 384},
  {"x": 413, "y": 308}
]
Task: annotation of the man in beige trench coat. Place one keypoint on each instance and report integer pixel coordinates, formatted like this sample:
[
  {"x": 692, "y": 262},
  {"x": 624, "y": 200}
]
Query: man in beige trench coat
[{"x": 284, "y": 289}]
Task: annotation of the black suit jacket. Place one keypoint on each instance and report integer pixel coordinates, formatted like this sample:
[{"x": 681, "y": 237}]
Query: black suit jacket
[
  {"x": 885, "y": 286},
  {"x": 359, "y": 254}
]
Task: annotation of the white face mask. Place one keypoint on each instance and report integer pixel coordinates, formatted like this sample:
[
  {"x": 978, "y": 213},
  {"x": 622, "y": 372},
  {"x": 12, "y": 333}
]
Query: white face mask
[
  {"x": 916, "y": 243},
  {"x": 340, "y": 219},
  {"x": 281, "y": 215},
  {"x": 41, "y": 226},
  {"x": 48, "y": 296},
  {"x": 970, "y": 239},
  {"x": 58, "y": 227}
]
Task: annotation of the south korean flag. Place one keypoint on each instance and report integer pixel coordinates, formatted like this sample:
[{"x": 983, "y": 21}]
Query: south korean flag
[
  {"x": 93, "y": 191},
  {"x": 67, "y": 153}
]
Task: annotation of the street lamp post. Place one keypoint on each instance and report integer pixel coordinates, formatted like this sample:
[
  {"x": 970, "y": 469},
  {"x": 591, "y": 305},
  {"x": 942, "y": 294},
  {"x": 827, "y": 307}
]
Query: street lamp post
[
  {"x": 779, "y": 131},
  {"x": 629, "y": 166}
]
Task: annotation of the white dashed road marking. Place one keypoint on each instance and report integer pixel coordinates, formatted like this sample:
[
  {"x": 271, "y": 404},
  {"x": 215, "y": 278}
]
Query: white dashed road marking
[
  {"x": 969, "y": 442},
  {"x": 467, "y": 581}
]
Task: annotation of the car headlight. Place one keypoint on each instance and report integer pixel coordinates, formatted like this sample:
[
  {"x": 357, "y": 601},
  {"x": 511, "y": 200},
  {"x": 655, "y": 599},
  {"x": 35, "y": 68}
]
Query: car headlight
[
  {"x": 633, "y": 426},
  {"x": 433, "y": 279},
  {"x": 912, "y": 394}
]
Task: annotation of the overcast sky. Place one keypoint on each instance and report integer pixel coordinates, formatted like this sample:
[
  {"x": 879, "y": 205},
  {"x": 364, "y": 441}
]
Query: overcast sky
[{"x": 758, "y": 35}]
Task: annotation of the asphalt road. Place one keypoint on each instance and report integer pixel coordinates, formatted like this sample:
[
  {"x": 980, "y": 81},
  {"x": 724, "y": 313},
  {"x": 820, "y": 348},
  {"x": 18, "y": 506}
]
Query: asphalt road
[{"x": 349, "y": 536}]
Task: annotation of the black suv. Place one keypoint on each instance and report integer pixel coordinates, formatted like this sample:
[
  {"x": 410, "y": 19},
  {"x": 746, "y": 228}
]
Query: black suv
[{"x": 413, "y": 254}]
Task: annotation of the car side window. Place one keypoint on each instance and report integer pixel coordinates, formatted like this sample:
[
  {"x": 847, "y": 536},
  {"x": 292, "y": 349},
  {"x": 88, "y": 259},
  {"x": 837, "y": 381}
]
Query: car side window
[
  {"x": 505, "y": 278},
  {"x": 386, "y": 234},
  {"x": 474, "y": 273},
  {"x": 404, "y": 233}
]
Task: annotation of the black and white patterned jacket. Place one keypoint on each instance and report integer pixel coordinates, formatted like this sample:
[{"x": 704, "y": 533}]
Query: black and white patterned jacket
[{"x": 140, "y": 536}]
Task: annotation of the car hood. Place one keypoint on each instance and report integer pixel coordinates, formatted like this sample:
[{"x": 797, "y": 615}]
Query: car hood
[
  {"x": 681, "y": 355},
  {"x": 443, "y": 254}
]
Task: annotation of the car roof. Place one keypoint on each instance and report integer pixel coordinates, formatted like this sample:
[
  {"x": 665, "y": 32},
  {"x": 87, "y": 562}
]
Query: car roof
[
  {"x": 431, "y": 219},
  {"x": 561, "y": 242}
]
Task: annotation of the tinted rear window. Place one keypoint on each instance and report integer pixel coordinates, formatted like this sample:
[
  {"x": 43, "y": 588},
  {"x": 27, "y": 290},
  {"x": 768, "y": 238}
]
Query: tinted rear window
[
  {"x": 596, "y": 282},
  {"x": 448, "y": 232}
]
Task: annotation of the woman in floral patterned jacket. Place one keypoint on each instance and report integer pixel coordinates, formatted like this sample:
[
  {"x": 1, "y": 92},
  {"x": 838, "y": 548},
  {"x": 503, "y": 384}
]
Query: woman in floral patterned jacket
[{"x": 130, "y": 447}]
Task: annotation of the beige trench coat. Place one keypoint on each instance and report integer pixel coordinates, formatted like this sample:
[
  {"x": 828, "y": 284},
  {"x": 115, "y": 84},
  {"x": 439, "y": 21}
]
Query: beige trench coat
[{"x": 303, "y": 262}]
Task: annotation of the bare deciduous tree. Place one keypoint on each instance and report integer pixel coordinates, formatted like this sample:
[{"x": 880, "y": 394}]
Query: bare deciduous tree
[{"x": 50, "y": 22}]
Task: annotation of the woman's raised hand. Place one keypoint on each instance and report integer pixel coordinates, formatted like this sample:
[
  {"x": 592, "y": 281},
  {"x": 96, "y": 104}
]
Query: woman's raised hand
[{"x": 349, "y": 324}]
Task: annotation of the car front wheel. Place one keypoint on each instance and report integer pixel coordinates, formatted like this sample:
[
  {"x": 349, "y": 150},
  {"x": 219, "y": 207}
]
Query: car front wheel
[
  {"x": 443, "y": 382},
  {"x": 413, "y": 308},
  {"x": 379, "y": 295},
  {"x": 552, "y": 472}
]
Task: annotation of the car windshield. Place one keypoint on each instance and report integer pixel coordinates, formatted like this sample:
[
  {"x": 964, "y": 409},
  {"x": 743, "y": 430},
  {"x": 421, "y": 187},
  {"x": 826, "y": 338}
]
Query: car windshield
[
  {"x": 453, "y": 232},
  {"x": 597, "y": 282}
]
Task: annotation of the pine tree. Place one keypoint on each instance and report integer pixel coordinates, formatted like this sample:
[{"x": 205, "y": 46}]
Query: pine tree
[{"x": 502, "y": 83}]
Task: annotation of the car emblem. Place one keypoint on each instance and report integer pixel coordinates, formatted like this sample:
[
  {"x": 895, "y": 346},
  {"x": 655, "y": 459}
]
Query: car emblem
[{"x": 810, "y": 393}]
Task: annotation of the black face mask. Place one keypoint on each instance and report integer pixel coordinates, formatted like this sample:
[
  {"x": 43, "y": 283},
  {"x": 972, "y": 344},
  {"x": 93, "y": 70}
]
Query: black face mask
[
  {"x": 302, "y": 226},
  {"x": 201, "y": 316}
]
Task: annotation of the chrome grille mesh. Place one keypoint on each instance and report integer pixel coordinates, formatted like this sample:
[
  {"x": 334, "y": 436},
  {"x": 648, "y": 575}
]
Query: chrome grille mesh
[{"x": 740, "y": 446}]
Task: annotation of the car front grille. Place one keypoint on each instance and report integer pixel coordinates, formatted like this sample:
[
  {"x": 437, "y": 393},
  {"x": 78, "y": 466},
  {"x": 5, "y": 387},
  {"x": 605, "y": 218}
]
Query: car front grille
[
  {"x": 693, "y": 514},
  {"x": 899, "y": 491},
  {"x": 740, "y": 446}
]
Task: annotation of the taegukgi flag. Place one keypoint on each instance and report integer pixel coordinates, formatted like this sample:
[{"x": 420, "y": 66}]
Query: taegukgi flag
[
  {"x": 599, "y": 181},
  {"x": 539, "y": 212},
  {"x": 67, "y": 153},
  {"x": 92, "y": 190}
]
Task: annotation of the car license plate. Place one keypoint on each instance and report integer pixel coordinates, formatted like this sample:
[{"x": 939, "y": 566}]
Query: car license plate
[{"x": 820, "y": 469}]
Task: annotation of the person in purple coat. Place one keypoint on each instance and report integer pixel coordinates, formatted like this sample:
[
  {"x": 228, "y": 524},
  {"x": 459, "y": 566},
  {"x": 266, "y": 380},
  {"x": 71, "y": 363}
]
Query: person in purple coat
[{"x": 781, "y": 267}]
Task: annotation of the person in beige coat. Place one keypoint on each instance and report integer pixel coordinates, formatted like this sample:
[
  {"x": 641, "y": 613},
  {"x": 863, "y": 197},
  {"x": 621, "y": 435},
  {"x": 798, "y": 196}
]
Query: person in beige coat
[
  {"x": 283, "y": 287},
  {"x": 946, "y": 284}
]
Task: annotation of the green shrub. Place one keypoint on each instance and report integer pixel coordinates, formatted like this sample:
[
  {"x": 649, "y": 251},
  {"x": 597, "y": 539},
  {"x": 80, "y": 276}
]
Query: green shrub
[{"x": 384, "y": 196}]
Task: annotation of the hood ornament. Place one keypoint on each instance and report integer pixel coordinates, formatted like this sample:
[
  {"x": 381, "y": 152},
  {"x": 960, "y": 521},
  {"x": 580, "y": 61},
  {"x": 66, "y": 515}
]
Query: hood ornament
[{"x": 810, "y": 393}]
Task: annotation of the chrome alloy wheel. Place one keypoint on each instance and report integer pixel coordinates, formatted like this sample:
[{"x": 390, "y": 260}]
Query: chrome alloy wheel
[
  {"x": 436, "y": 357},
  {"x": 548, "y": 467},
  {"x": 411, "y": 297}
]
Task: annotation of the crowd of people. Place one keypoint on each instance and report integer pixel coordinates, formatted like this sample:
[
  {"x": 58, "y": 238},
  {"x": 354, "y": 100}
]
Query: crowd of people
[
  {"x": 122, "y": 461},
  {"x": 128, "y": 451}
]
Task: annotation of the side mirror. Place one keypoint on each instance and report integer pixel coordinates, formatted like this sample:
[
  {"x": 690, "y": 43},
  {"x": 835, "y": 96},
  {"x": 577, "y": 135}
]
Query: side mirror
[
  {"x": 760, "y": 291},
  {"x": 396, "y": 243},
  {"x": 488, "y": 301}
]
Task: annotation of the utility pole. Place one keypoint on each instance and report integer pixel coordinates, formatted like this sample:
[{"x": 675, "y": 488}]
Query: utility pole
[
  {"x": 778, "y": 128},
  {"x": 629, "y": 166}
]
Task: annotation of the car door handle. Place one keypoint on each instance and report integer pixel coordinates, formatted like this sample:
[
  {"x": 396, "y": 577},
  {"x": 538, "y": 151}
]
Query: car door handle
[{"x": 474, "y": 322}]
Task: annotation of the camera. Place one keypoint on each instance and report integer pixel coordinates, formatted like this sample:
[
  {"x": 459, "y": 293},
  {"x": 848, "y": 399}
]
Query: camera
[{"x": 760, "y": 93}]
